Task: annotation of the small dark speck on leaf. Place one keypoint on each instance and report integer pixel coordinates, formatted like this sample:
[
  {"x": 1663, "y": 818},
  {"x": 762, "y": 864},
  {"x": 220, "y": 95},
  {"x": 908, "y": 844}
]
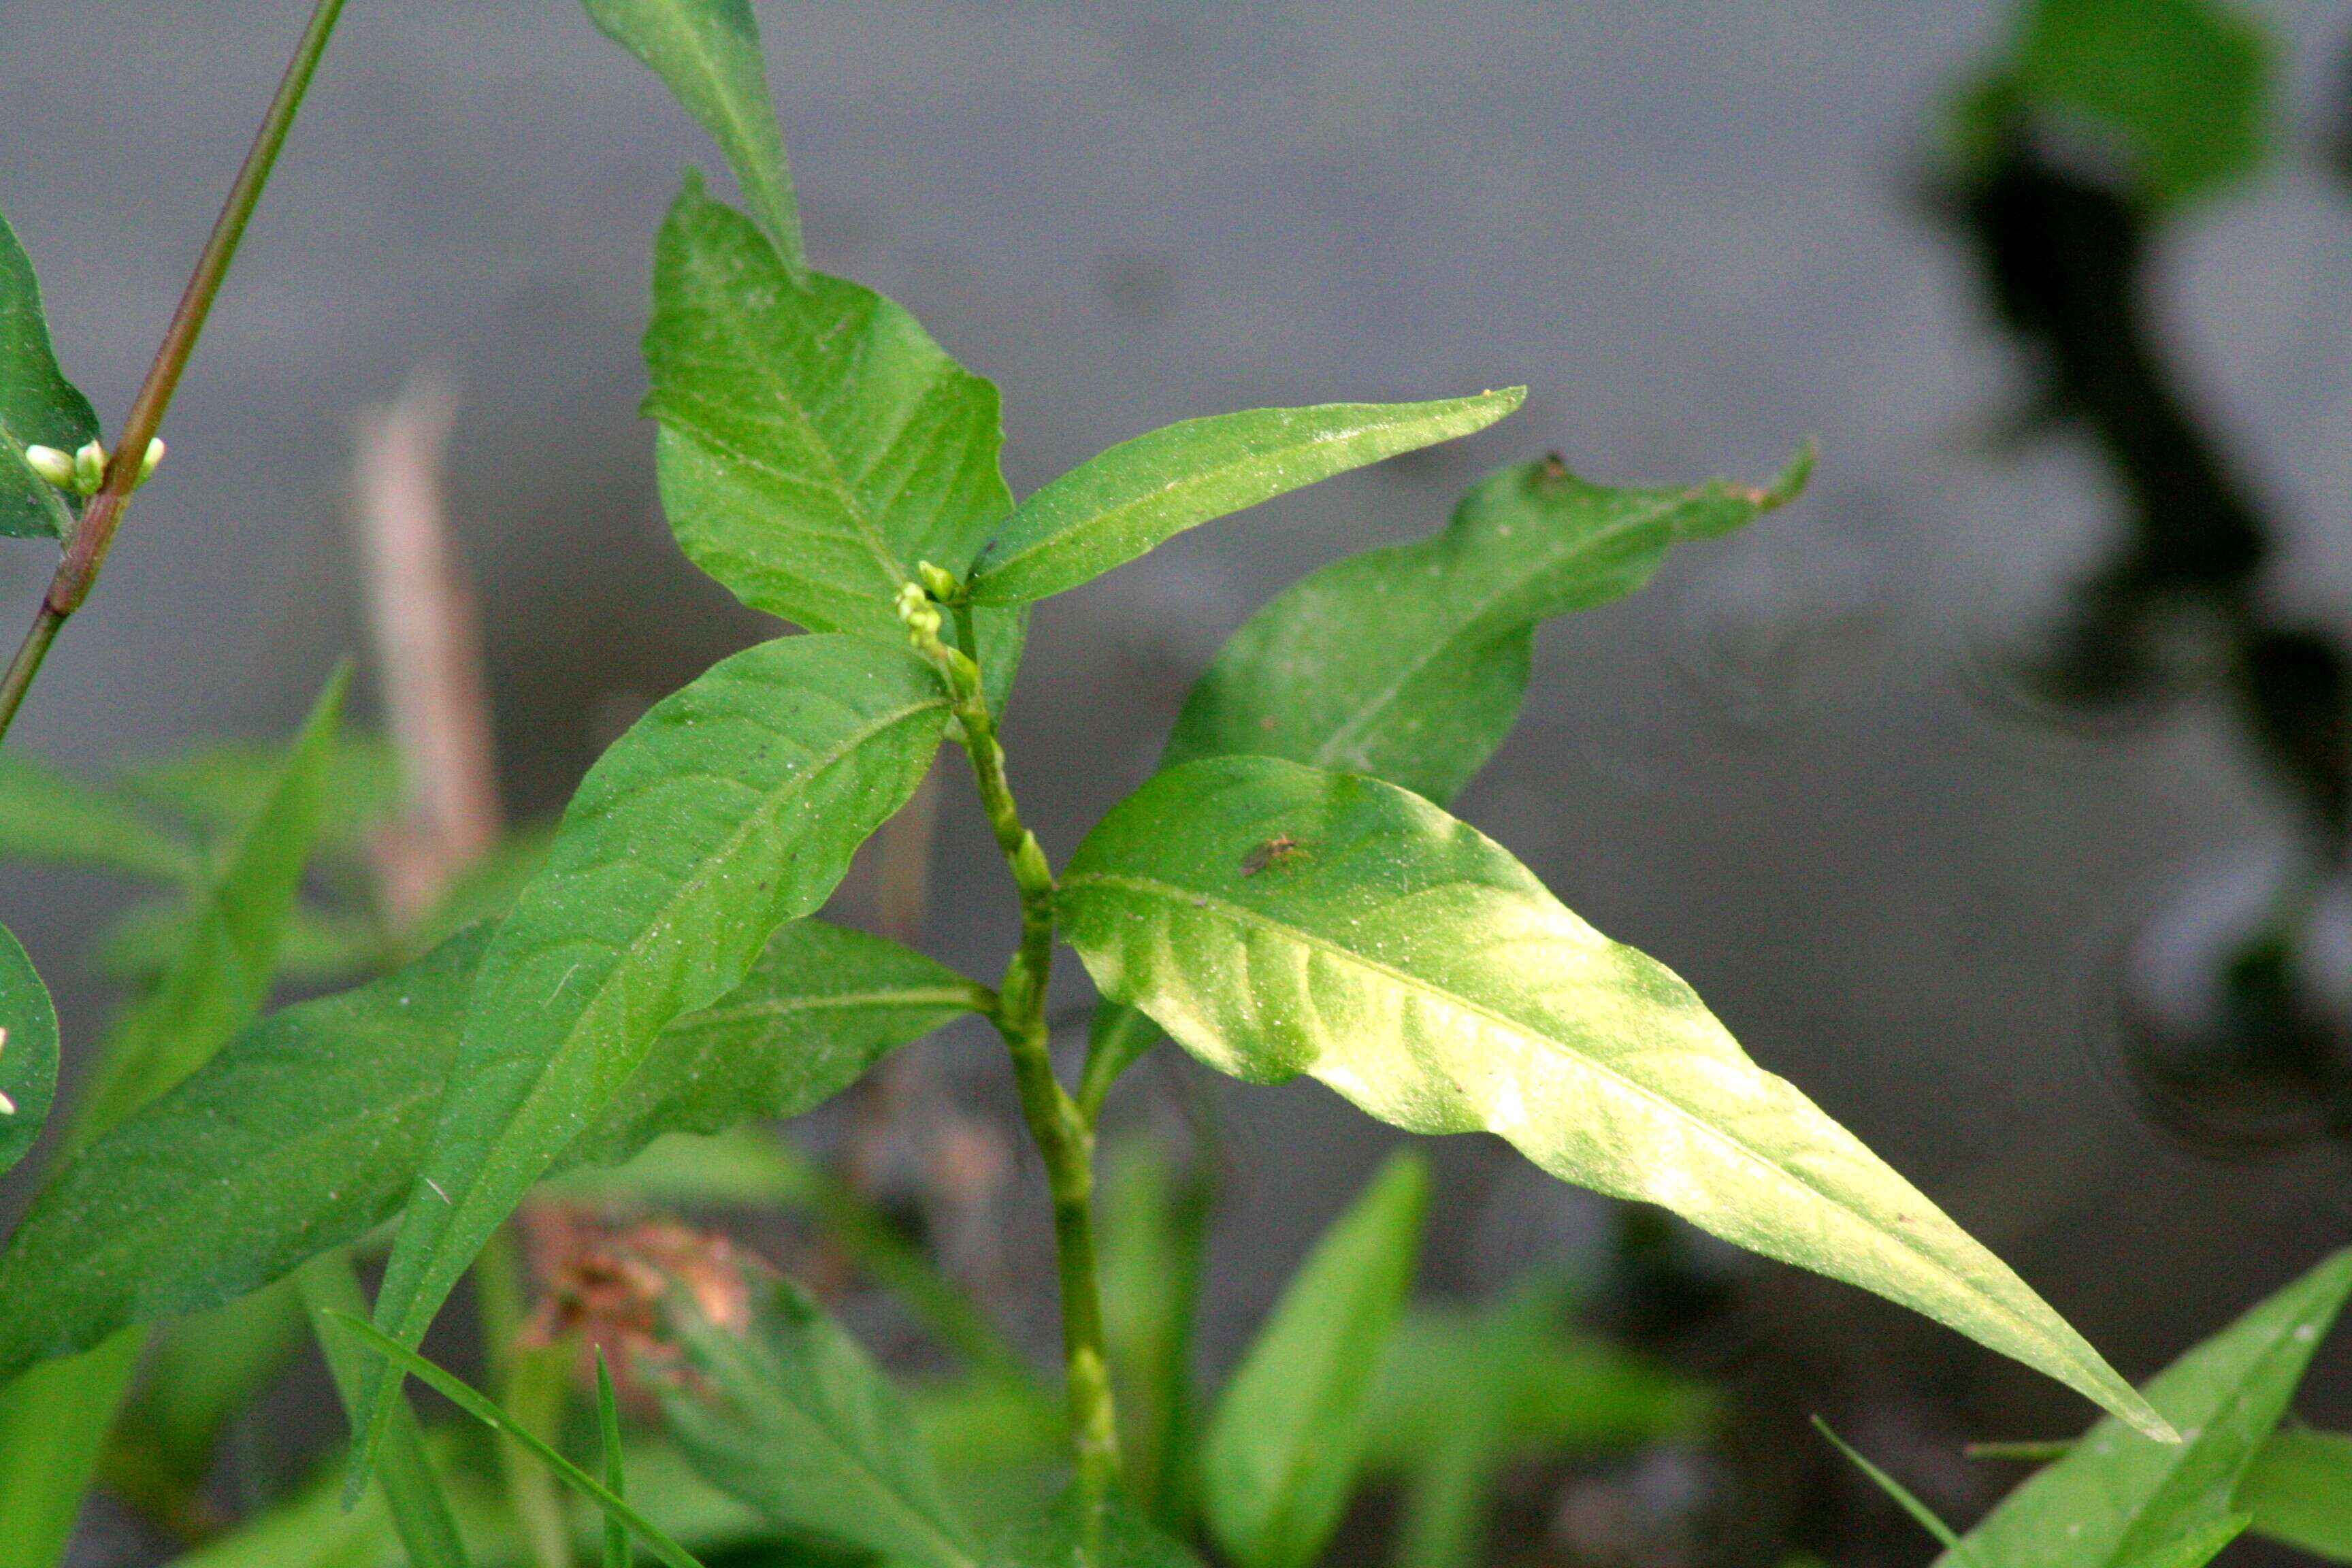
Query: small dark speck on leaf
[{"x": 1278, "y": 850}]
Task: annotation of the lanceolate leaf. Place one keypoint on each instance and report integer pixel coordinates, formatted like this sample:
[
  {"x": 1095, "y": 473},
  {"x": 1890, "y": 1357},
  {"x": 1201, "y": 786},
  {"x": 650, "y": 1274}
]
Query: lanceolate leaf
[
  {"x": 822, "y": 1005},
  {"x": 1277, "y": 920},
  {"x": 1557, "y": 1389},
  {"x": 52, "y": 1420},
  {"x": 816, "y": 443},
  {"x": 37, "y": 403},
  {"x": 412, "y": 1489},
  {"x": 1409, "y": 663},
  {"x": 731, "y": 807},
  {"x": 707, "y": 51},
  {"x": 53, "y": 1425},
  {"x": 220, "y": 975},
  {"x": 219, "y": 786},
  {"x": 1119, "y": 505},
  {"x": 1111, "y": 1534},
  {"x": 29, "y": 1052},
  {"x": 1288, "y": 1431},
  {"x": 2299, "y": 1490},
  {"x": 44, "y": 815},
  {"x": 1155, "y": 1226},
  {"x": 309, "y": 1129},
  {"x": 2117, "y": 1499},
  {"x": 782, "y": 1410}
]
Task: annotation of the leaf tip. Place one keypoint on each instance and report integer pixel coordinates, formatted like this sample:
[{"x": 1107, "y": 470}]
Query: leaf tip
[{"x": 1791, "y": 481}]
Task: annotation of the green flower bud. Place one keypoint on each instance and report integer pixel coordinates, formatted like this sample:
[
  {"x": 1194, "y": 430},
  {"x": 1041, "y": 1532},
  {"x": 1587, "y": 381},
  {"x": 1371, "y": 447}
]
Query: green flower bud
[
  {"x": 56, "y": 467},
  {"x": 89, "y": 467},
  {"x": 147, "y": 464},
  {"x": 941, "y": 582}
]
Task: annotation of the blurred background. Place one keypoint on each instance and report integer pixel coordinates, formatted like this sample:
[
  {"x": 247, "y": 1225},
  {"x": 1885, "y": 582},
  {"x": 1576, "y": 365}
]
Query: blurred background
[{"x": 1992, "y": 792}]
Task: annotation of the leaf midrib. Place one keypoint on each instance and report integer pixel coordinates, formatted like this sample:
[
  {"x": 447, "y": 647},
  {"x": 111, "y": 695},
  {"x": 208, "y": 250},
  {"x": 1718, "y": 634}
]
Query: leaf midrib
[
  {"x": 745, "y": 133},
  {"x": 591, "y": 1002},
  {"x": 763, "y": 369},
  {"x": 1240, "y": 914},
  {"x": 1089, "y": 527},
  {"x": 719, "y": 1013},
  {"x": 770, "y": 803},
  {"x": 2179, "y": 1458},
  {"x": 1333, "y": 748},
  {"x": 883, "y": 1484}
]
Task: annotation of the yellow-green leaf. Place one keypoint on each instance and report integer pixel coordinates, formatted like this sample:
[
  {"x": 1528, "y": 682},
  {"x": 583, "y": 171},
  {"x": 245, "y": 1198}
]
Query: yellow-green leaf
[
  {"x": 1117, "y": 506},
  {"x": 1276, "y": 919}
]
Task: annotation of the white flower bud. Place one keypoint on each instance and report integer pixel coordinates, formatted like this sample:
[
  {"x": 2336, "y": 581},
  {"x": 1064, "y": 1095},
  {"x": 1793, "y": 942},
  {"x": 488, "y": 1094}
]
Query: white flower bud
[
  {"x": 56, "y": 467},
  {"x": 89, "y": 467},
  {"x": 147, "y": 464}
]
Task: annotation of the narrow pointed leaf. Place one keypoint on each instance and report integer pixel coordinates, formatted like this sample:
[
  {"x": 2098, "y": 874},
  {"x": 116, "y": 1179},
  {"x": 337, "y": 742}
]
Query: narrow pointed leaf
[
  {"x": 412, "y": 1489},
  {"x": 216, "y": 787},
  {"x": 708, "y": 52},
  {"x": 1155, "y": 1233},
  {"x": 782, "y": 1409},
  {"x": 29, "y": 1052},
  {"x": 1277, "y": 920},
  {"x": 37, "y": 404},
  {"x": 1113, "y": 507},
  {"x": 53, "y": 1427},
  {"x": 1116, "y": 1038},
  {"x": 1557, "y": 1389},
  {"x": 2196, "y": 1546},
  {"x": 731, "y": 807},
  {"x": 1921, "y": 1514},
  {"x": 220, "y": 975},
  {"x": 53, "y": 1419},
  {"x": 608, "y": 1437},
  {"x": 2119, "y": 1500},
  {"x": 308, "y": 1131},
  {"x": 486, "y": 1410},
  {"x": 2299, "y": 1490},
  {"x": 1288, "y": 1431},
  {"x": 1409, "y": 663},
  {"x": 816, "y": 443},
  {"x": 44, "y": 815}
]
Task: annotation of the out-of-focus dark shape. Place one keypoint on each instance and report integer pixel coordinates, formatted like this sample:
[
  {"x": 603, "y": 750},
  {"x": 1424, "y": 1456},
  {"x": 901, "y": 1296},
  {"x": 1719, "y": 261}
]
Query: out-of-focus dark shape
[{"x": 2069, "y": 157}]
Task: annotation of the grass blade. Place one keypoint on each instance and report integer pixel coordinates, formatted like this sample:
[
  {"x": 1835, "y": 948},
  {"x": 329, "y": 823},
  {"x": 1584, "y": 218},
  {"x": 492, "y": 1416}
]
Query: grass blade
[
  {"x": 1944, "y": 1533},
  {"x": 412, "y": 1489},
  {"x": 608, "y": 1432},
  {"x": 486, "y": 1410}
]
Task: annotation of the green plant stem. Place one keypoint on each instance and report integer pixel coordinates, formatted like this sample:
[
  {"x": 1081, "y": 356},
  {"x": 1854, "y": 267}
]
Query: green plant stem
[
  {"x": 1064, "y": 1137},
  {"x": 94, "y": 534}
]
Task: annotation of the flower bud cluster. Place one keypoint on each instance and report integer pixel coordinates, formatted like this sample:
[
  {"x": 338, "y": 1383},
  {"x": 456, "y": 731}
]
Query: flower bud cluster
[
  {"x": 938, "y": 582},
  {"x": 919, "y": 615},
  {"x": 83, "y": 471}
]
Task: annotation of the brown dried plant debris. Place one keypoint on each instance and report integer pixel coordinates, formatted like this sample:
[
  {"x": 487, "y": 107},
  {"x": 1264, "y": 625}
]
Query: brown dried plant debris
[{"x": 601, "y": 1283}]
